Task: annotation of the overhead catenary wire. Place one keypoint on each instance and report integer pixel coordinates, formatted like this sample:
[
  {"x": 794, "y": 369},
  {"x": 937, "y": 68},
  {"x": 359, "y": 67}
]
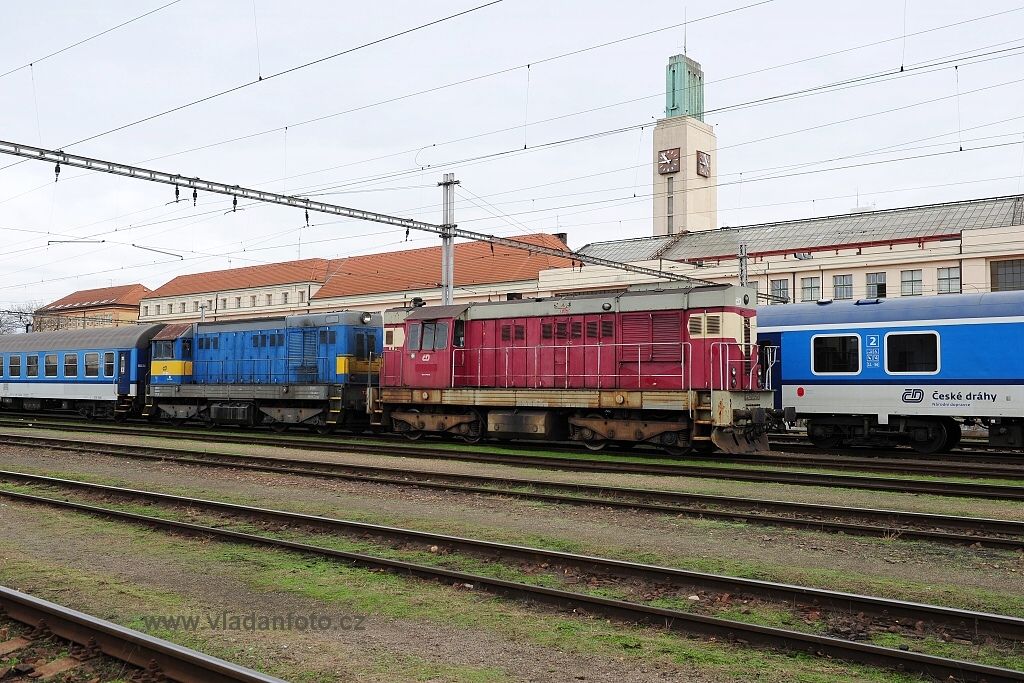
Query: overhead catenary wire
[{"x": 89, "y": 38}]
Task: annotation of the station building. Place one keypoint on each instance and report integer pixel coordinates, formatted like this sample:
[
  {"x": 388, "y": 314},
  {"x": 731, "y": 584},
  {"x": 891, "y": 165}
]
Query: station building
[
  {"x": 371, "y": 282},
  {"x": 102, "y": 307}
]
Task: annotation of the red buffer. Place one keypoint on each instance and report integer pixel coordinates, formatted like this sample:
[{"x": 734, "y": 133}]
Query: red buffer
[{"x": 671, "y": 367}]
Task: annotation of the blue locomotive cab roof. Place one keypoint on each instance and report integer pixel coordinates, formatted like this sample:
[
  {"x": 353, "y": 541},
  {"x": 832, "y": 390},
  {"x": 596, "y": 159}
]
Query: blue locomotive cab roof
[{"x": 930, "y": 308}]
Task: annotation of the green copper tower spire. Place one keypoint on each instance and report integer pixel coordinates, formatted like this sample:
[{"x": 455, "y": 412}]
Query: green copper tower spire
[{"x": 684, "y": 88}]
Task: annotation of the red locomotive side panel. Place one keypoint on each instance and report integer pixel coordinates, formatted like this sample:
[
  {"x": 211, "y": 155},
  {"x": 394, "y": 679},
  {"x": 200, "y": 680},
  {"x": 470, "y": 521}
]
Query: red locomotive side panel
[{"x": 674, "y": 368}]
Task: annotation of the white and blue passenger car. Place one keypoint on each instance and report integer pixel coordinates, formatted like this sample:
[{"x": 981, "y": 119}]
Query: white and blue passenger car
[
  {"x": 907, "y": 370},
  {"x": 98, "y": 372}
]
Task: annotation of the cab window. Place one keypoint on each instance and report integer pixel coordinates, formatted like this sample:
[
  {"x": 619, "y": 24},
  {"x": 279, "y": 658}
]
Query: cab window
[
  {"x": 413, "y": 342},
  {"x": 440, "y": 336},
  {"x": 163, "y": 350}
]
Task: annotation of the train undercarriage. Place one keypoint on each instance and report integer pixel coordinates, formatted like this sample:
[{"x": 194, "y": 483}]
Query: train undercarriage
[
  {"x": 924, "y": 434},
  {"x": 597, "y": 423}
]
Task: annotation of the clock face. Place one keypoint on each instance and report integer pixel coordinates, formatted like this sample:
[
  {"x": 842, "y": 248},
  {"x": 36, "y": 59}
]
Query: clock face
[
  {"x": 668, "y": 161},
  {"x": 704, "y": 164}
]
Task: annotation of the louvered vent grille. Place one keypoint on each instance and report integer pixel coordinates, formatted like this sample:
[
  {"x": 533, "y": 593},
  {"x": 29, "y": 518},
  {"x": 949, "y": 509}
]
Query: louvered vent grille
[{"x": 714, "y": 328}]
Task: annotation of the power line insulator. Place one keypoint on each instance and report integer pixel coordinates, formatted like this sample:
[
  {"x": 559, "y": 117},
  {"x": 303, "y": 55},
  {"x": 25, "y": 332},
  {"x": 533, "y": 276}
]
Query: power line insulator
[
  {"x": 195, "y": 196},
  {"x": 307, "y": 218},
  {"x": 234, "y": 204},
  {"x": 177, "y": 194},
  {"x": 56, "y": 172}
]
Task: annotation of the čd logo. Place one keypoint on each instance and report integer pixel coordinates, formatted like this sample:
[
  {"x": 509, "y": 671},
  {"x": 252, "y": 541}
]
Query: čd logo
[{"x": 913, "y": 395}]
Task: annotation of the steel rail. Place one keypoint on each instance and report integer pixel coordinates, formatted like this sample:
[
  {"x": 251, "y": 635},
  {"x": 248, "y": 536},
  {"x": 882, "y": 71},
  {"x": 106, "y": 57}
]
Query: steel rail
[
  {"x": 671, "y": 619},
  {"x": 174, "y": 662},
  {"x": 1009, "y": 468},
  {"x": 939, "y": 488},
  {"x": 915, "y": 526}
]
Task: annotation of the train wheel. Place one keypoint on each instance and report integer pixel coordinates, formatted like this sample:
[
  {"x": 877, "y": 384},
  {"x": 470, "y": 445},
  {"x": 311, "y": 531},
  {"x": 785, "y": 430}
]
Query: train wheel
[
  {"x": 324, "y": 430},
  {"x": 938, "y": 435},
  {"x": 178, "y": 421},
  {"x": 279, "y": 427},
  {"x": 476, "y": 429},
  {"x": 413, "y": 434},
  {"x": 823, "y": 437},
  {"x": 591, "y": 439},
  {"x": 953, "y": 435},
  {"x": 678, "y": 450}
]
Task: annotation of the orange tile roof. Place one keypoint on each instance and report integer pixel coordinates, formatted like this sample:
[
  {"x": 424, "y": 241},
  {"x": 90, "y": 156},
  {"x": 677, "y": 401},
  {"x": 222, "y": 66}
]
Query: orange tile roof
[
  {"x": 475, "y": 264},
  {"x": 122, "y": 295},
  {"x": 289, "y": 272}
]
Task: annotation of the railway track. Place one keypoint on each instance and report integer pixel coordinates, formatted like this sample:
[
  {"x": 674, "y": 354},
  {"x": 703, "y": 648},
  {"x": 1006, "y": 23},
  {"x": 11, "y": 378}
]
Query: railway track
[
  {"x": 874, "y": 613},
  {"x": 970, "y": 465},
  {"x": 794, "y": 477},
  {"x": 93, "y": 638},
  {"x": 910, "y": 526}
]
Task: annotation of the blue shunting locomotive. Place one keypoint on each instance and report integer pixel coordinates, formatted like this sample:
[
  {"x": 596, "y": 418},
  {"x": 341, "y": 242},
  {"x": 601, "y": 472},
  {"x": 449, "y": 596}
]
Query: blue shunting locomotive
[
  {"x": 311, "y": 370},
  {"x": 97, "y": 372},
  {"x": 906, "y": 370}
]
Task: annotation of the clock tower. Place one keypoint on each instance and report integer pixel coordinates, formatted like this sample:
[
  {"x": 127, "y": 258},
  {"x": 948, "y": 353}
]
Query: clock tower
[{"x": 685, "y": 155}]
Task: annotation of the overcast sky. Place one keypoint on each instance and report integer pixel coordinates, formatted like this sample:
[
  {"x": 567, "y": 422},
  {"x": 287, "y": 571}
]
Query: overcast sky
[{"x": 388, "y": 156}]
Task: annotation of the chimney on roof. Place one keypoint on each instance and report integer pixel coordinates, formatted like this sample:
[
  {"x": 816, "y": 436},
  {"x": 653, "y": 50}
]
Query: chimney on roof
[{"x": 563, "y": 237}]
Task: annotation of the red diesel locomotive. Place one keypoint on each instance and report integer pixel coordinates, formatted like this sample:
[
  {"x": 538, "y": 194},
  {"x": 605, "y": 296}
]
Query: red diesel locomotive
[{"x": 671, "y": 367}]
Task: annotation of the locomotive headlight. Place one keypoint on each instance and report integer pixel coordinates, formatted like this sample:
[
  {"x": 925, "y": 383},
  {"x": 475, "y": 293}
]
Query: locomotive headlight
[
  {"x": 734, "y": 372},
  {"x": 365, "y": 318}
]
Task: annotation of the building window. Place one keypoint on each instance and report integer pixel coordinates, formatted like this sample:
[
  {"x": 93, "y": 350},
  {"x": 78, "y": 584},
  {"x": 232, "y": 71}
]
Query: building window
[
  {"x": 842, "y": 286},
  {"x": 949, "y": 280},
  {"x": 181, "y": 307},
  {"x": 158, "y": 309},
  {"x": 284, "y": 297},
  {"x": 779, "y": 289},
  {"x": 71, "y": 365},
  {"x": 145, "y": 310},
  {"x": 209, "y": 304},
  {"x": 195, "y": 306},
  {"x": 270, "y": 299},
  {"x": 911, "y": 283},
  {"x": 1007, "y": 275},
  {"x": 670, "y": 203},
  {"x": 224, "y": 304},
  {"x": 876, "y": 285},
  {"x": 238, "y": 302},
  {"x": 302, "y": 297},
  {"x": 252, "y": 301},
  {"x": 810, "y": 288}
]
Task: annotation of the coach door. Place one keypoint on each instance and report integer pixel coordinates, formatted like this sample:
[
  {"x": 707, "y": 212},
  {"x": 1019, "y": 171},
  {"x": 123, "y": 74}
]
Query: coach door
[{"x": 124, "y": 374}]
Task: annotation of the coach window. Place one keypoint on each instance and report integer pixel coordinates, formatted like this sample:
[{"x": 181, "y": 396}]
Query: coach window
[
  {"x": 71, "y": 365},
  {"x": 108, "y": 364},
  {"x": 15, "y": 367},
  {"x": 835, "y": 354},
  {"x": 912, "y": 353},
  {"x": 32, "y": 366},
  {"x": 92, "y": 365}
]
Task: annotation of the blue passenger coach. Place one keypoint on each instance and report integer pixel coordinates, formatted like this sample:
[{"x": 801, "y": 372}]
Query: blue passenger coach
[
  {"x": 97, "y": 372},
  {"x": 907, "y": 370},
  {"x": 311, "y": 370}
]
